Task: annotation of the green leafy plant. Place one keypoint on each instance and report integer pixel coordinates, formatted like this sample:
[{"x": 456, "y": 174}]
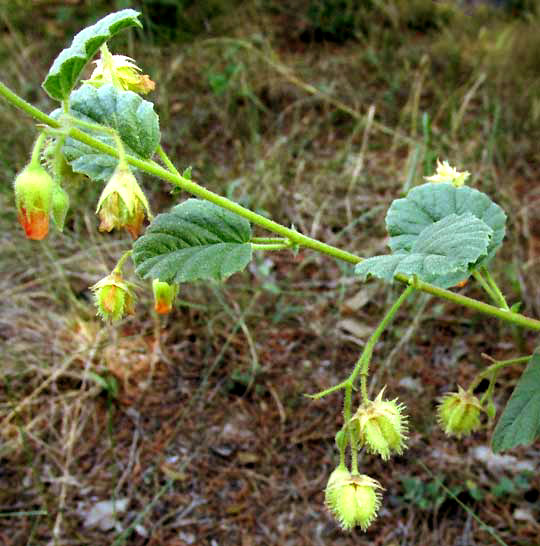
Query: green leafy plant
[{"x": 440, "y": 234}]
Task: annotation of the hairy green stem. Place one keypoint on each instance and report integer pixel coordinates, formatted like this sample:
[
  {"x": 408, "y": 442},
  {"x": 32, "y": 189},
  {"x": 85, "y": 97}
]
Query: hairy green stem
[
  {"x": 494, "y": 368},
  {"x": 362, "y": 366},
  {"x": 272, "y": 246},
  {"x": 326, "y": 392},
  {"x": 154, "y": 169},
  {"x": 269, "y": 240},
  {"x": 483, "y": 283},
  {"x": 481, "y": 307},
  {"x": 166, "y": 161},
  {"x": 496, "y": 290},
  {"x": 118, "y": 267},
  {"x": 346, "y": 419}
]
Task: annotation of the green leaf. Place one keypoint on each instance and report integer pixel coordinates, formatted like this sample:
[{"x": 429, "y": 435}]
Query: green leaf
[
  {"x": 67, "y": 67},
  {"x": 520, "y": 422},
  {"x": 124, "y": 111},
  {"x": 196, "y": 240},
  {"x": 440, "y": 254},
  {"x": 429, "y": 203}
]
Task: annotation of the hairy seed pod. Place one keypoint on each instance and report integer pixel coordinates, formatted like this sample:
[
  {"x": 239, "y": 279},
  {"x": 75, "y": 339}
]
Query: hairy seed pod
[
  {"x": 381, "y": 426},
  {"x": 459, "y": 413},
  {"x": 353, "y": 499}
]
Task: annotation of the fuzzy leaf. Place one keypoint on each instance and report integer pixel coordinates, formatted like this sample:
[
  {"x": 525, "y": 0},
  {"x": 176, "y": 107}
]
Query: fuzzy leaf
[
  {"x": 520, "y": 422},
  {"x": 69, "y": 64},
  {"x": 196, "y": 240},
  {"x": 429, "y": 203},
  {"x": 440, "y": 254},
  {"x": 126, "y": 112}
]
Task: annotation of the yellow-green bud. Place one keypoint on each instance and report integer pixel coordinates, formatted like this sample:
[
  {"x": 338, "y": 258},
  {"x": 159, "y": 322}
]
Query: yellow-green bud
[
  {"x": 33, "y": 197},
  {"x": 352, "y": 499},
  {"x": 381, "y": 426},
  {"x": 60, "y": 205},
  {"x": 164, "y": 294},
  {"x": 114, "y": 297},
  {"x": 459, "y": 413},
  {"x": 122, "y": 203}
]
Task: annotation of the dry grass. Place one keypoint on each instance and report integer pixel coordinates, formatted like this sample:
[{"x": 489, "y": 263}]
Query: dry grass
[{"x": 199, "y": 419}]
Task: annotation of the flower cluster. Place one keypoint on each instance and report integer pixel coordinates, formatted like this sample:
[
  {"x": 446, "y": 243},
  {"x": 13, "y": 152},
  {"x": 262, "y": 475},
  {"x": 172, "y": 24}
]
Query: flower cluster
[{"x": 381, "y": 426}]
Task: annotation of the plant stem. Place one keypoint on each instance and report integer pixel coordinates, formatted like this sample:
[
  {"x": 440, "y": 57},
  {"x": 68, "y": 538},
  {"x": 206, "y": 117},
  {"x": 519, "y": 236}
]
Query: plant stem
[
  {"x": 481, "y": 307},
  {"x": 346, "y": 419},
  {"x": 166, "y": 161},
  {"x": 269, "y": 240},
  {"x": 362, "y": 366},
  {"x": 268, "y": 246},
  {"x": 326, "y": 392},
  {"x": 154, "y": 169},
  {"x": 118, "y": 267},
  {"x": 494, "y": 368},
  {"x": 483, "y": 283},
  {"x": 498, "y": 294}
]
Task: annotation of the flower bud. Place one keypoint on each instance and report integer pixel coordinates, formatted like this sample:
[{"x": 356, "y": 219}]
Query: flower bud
[
  {"x": 459, "y": 413},
  {"x": 164, "y": 294},
  {"x": 122, "y": 203},
  {"x": 445, "y": 173},
  {"x": 60, "y": 205},
  {"x": 381, "y": 426},
  {"x": 114, "y": 297},
  {"x": 33, "y": 196},
  {"x": 352, "y": 499},
  {"x": 121, "y": 71}
]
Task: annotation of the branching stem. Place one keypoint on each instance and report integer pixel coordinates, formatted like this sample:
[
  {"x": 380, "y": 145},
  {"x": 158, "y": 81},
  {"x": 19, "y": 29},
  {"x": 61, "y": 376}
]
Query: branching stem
[
  {"x": 154, "y": 169},
  {"x": 491, "y": 371}
]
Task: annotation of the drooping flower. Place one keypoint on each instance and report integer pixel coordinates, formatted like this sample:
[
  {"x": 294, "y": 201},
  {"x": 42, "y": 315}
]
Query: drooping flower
[
  {"x": 33, "y": 198},
  {"x": 353, "y": 499},
  {"x": 122, "y": 203},
  {"x": 381, "y": 426},
  {"x": 459, "y": 413},
  {"x": 114, "y": 297},
  {"x": 120, "y": 71},
  {"x": 164, "y": 295},
  {"x": 445, "y": 173}
]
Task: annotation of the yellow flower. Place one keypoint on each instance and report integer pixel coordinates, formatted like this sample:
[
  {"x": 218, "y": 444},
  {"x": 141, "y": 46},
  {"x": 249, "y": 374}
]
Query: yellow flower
[
  {"x": 445, "y": 173},
  {"x": 121, "y": 71}
]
